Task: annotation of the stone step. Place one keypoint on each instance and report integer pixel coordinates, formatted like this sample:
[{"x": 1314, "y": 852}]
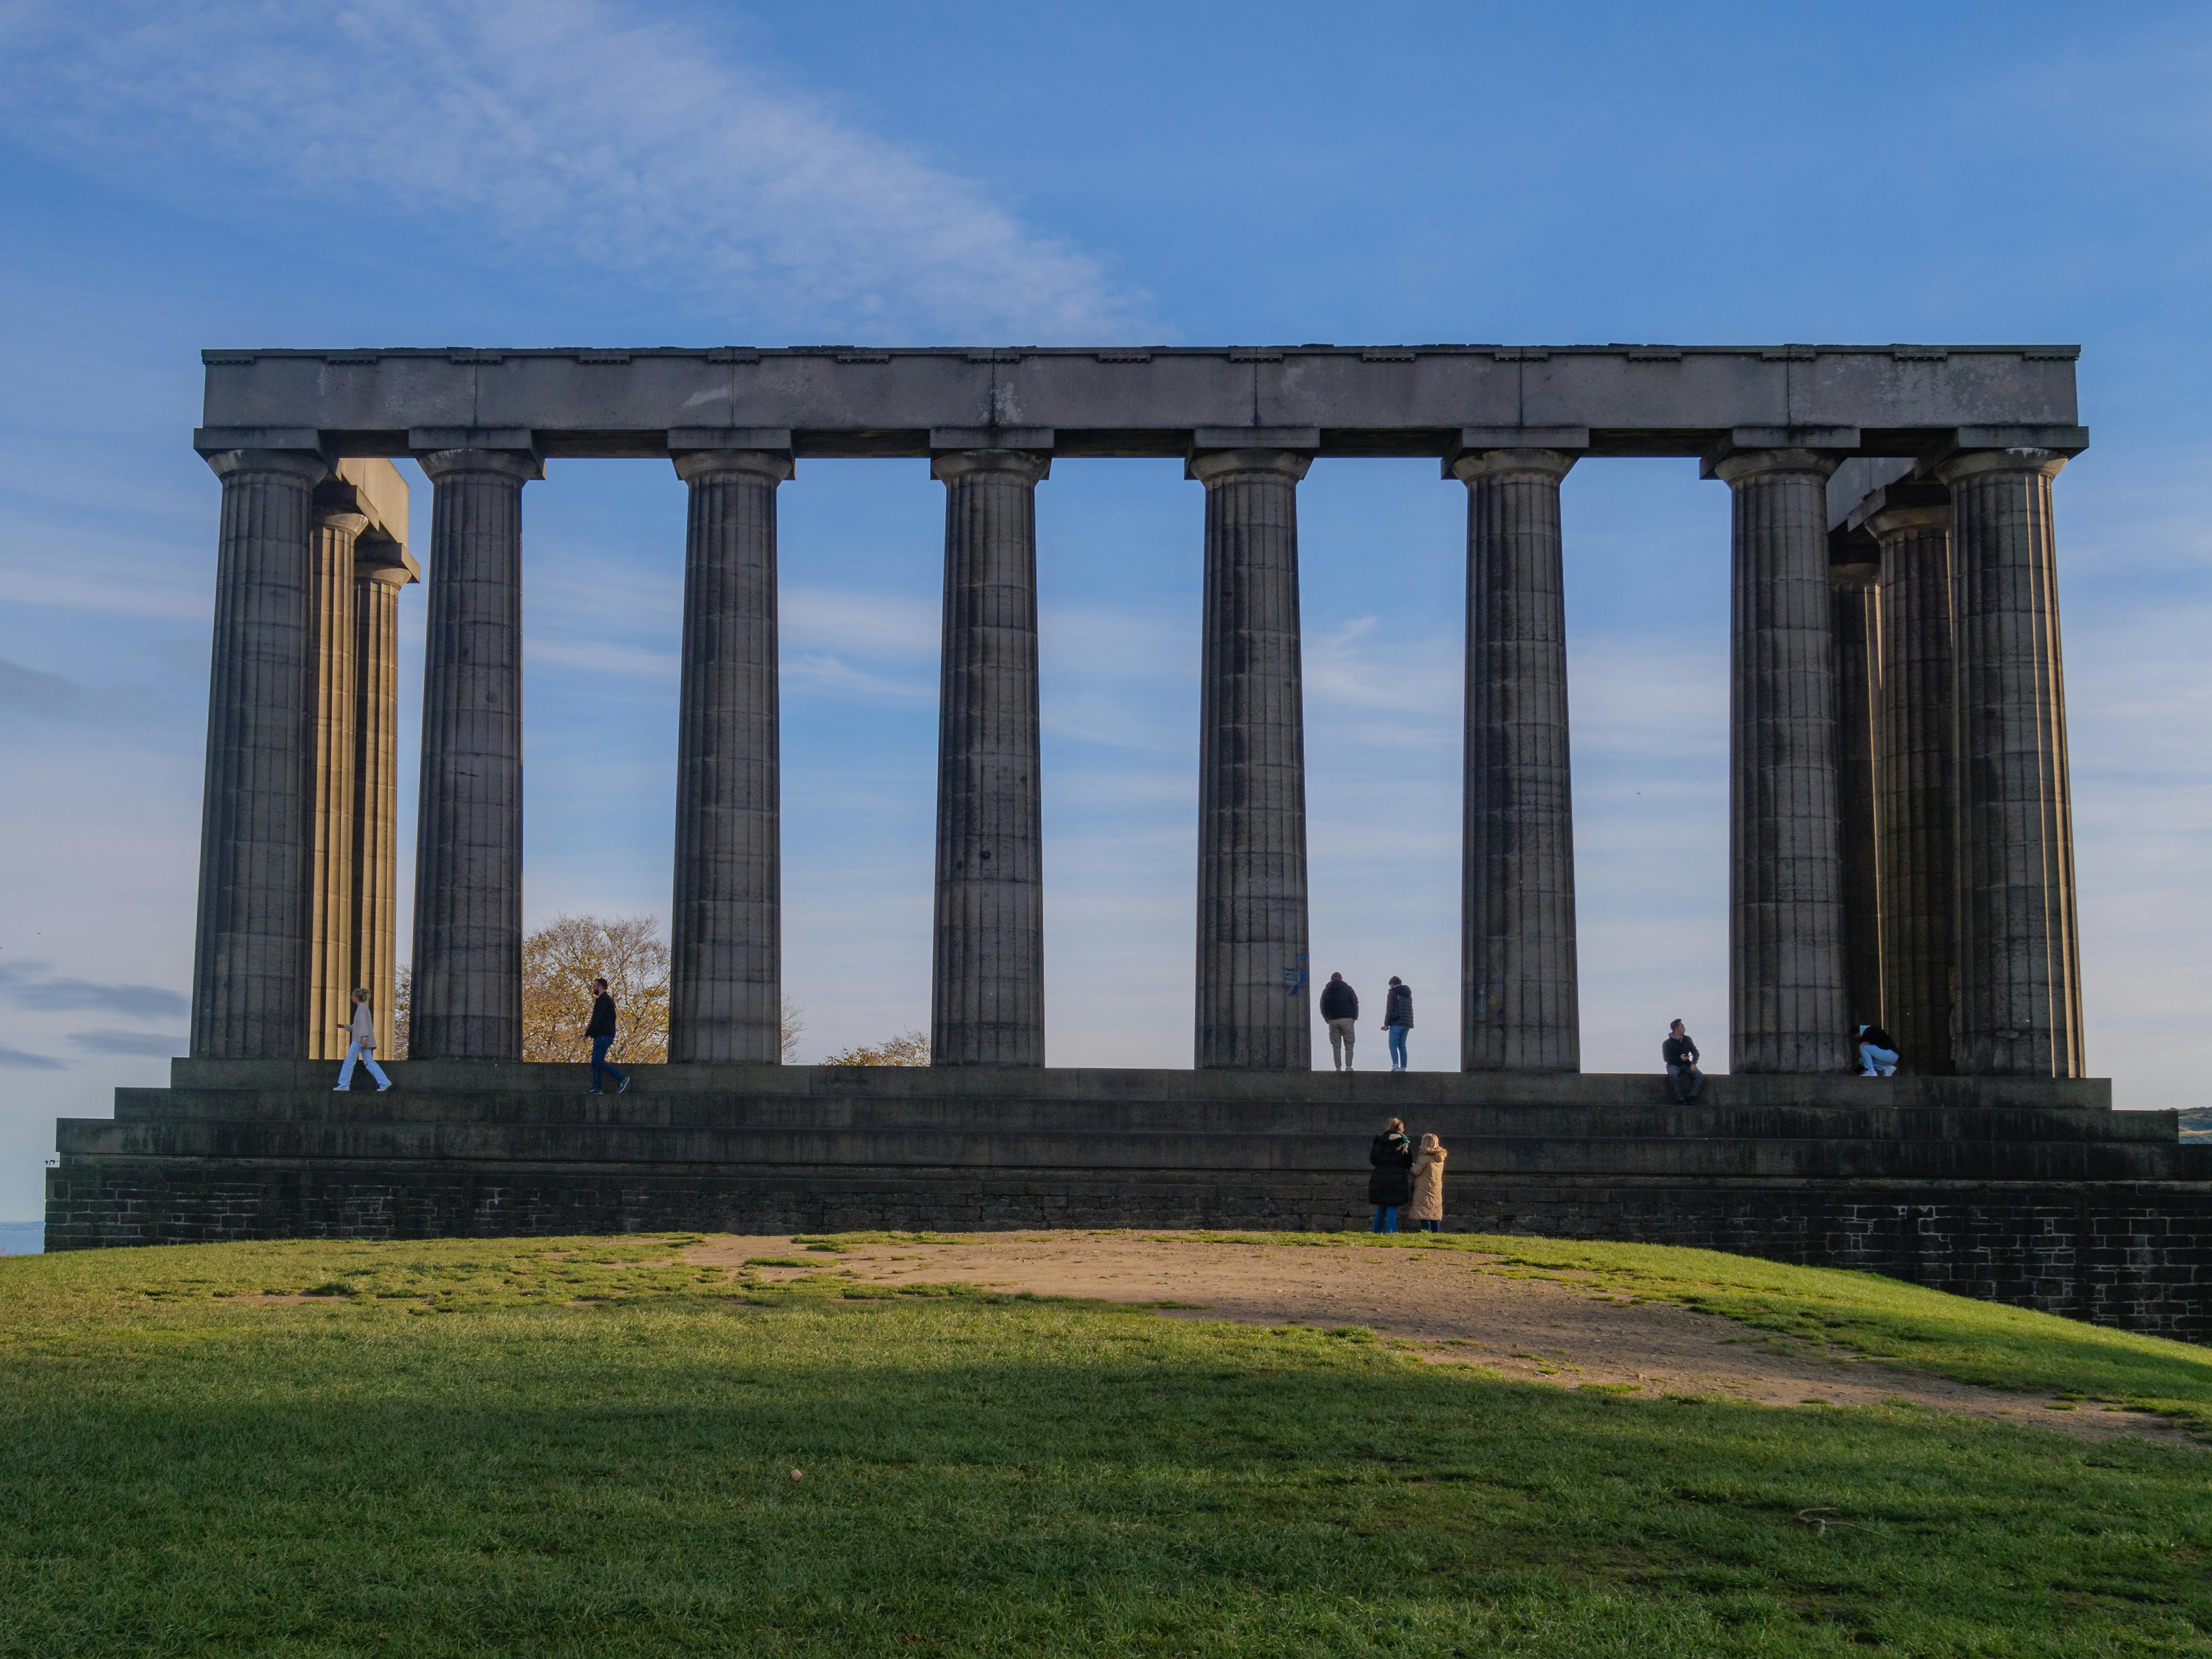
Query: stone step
[
  {"x": 1069, "y": 1148},
  {"x": 1875, "y": 1117}
]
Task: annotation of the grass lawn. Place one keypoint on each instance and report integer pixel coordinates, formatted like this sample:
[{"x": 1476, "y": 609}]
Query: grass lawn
[{"x": 549, "y": 1448}]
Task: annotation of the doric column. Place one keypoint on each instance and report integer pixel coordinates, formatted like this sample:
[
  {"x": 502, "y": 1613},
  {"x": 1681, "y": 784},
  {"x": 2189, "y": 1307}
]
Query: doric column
[
  {"x": 250, "y": 954},
  {"x": 2019, "y": 984},
  {"x": 468, "y": 848},
  {"x": 1855, "y": 619},
  {"x": 340, "y": 521},
  {"x": 1254, "y": 1004},
  {"x": 725, "y": 935},
  {"x": 1919, "y": 798},
  {"x": 986, "y": 1001},
  {"x": 1786, "y": 993},
  {"x": 380, "y": 570},
  {"x": 1518, "y": 1007}
]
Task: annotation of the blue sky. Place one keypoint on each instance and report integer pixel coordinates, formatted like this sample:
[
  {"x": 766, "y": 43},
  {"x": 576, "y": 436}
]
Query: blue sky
[{"x": 387, "y": 173}]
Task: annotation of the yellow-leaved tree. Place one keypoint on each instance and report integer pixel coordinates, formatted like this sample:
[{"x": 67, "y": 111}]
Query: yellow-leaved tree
[
  {"x": 908, "y": 1048},
  {"x": 559, "y": 963}
]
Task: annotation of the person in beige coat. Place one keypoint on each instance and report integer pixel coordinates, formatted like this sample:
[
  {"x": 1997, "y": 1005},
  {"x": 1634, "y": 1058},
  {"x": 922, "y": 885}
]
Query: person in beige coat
[{"x": 1427, "y": 1207}]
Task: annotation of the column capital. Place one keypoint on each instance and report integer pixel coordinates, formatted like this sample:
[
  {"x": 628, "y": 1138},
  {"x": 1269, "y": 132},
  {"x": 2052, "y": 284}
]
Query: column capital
[
  {"x": 304, "y": 465},
  {"x": 375, "y": 560},
  {"x": 1737, "y": 466},
  {"x": 693, "y": 465},
  {"x": 1026, "y": 465},
  {"x": 1905, "y": 507},
  {"x": 521, "y": 465},
  {"x": 1974, "y": 463},
  {"x": 1213, "y": 466},
  {"x": 1472, "y": 466}
]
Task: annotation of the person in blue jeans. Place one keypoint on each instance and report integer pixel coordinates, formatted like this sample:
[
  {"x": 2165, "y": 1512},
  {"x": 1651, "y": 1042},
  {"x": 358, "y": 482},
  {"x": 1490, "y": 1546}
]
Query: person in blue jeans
[
  {"x": 1391, "y": 1185},
  {"x": 601, "y": 1031},
  {"x": 1398, "y": 1019}
]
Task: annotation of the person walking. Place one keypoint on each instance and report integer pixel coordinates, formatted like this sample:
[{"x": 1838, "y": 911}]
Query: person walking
[
  {"x": 601, "y": 1031},
  {"x": 1390, "y": 1186},
  {"x": 1398, "y": 1019},
  {"x": 1340, "y": 1007},
  {"x": 362, "y": 1030},
  {"x": 1681, "y": 1054},
  {"x": 1428, "y": 1203},
  {"x": 1877, "y": 1052}
]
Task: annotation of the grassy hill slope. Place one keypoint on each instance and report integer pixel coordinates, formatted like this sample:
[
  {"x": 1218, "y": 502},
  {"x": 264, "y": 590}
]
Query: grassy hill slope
[{"x": 544, "y": 1447}]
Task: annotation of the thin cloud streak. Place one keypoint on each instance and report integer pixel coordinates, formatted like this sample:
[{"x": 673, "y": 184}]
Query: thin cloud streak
[{"x": 572, "y": 128}]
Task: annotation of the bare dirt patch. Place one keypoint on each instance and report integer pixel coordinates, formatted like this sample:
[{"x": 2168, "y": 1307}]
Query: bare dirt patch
[{"x": 1455, "y": 1306}]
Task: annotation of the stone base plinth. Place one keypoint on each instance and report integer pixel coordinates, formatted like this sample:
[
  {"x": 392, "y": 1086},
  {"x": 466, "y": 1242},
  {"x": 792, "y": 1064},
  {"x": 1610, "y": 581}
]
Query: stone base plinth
[{"x": 2024, "y": 1191}]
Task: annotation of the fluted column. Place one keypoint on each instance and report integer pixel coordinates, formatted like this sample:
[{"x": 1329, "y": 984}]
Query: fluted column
[
  {"x": 380, "y": 570},
  {"x": 2019, "y": 984},
  {"x": 1919, "y": 797},
  {"x": 1519, "y": 1000},
  {"x": 468, "y": 858},
  {"x": 1786, "y": 993},
  {"x": 256, "y": 824},
  {"x": 338, "y": 524},
  {"x": 1855, "y": 621},
  {"x": 725, "y": 989},
  {"x": 1254, "y": 1002},
  {"x": 986, "y": 1003}
]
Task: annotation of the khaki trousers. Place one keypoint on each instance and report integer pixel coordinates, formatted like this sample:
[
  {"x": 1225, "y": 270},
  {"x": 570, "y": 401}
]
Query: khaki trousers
[{"x": 1341, "y": 1034}]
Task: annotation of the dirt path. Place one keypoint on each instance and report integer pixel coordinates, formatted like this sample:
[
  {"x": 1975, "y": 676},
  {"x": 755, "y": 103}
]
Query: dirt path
[{"x": 1459, "y": 1306}]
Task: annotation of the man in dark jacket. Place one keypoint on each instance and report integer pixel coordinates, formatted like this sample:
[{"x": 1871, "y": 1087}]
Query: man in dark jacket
[
  {"x": 1340, "y": 1007},
  {"x": 1392, "y": 1184},
  {"x": 1681, "y": 1054},
  {"x": 601, "y": 1031},
  {"x": 1398, "y": 1019}
]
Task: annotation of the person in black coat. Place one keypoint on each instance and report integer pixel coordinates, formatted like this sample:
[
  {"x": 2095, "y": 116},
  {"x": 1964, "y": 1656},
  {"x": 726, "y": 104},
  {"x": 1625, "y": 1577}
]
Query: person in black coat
[
  {"x": 1679, "y": 1054},
  {"x": 1340, "y": 1007},
  {"x": 1392, "y": 1184},
  {"x": 601, "y": 1031},
  {"x": 1398, "y": 1019}
]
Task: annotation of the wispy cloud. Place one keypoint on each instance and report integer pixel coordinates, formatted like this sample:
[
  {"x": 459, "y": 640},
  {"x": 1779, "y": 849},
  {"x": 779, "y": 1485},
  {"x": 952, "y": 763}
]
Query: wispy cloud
[
  {"x": 856, "y": 621},
  {"x": 17, "y": 1060},
  {"x": 575, "y": 129},
  {"x": 128, "y": 1043},
  {"x": 30, "y": 985}
]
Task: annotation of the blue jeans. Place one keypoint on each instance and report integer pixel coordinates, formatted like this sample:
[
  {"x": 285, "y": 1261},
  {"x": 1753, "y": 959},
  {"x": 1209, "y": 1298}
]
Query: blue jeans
[
  {"x": 355, "y": 1050},
  {"x": 599, "y": 1063},
  {"x": 1397, "y": 1035},
  {"x": 1386, "y": 1217}
]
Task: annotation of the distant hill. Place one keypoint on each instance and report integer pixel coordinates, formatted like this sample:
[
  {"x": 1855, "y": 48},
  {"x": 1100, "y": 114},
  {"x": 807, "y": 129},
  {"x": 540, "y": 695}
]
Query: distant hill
[{"x": 2196, "y": 1123}]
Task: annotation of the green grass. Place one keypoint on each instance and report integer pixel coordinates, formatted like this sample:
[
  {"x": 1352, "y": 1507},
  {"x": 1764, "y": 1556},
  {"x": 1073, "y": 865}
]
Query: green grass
[{"x": 581, "y": 1449}]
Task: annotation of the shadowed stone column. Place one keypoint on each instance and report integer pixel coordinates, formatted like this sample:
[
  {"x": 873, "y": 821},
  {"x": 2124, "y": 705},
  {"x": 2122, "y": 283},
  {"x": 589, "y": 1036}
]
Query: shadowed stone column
[
  {"x": 1786, "y": 995},
  {"x": 1920, "y": 799},
  {"x": 987, "y": 1004},
  {"x": 380, "y": 570},
  {"x": 338, "y": 524},
  {"x": 725, "y": 990},
  {"x": 1254, "y": 1009},
  {"x": 257, "y": 825},
  {"x": 1855, "y": 619},
  {"x": 2020, "y": 986},
  {"x": 468, "y": 857},
  {"x": 1518, "y": 1009}
]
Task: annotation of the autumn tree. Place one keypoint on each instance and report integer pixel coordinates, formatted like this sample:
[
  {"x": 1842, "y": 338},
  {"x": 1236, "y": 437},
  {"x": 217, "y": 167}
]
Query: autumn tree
[
  {"x": 559, "y": 963},
  {"x": 908, "y": 1048}
]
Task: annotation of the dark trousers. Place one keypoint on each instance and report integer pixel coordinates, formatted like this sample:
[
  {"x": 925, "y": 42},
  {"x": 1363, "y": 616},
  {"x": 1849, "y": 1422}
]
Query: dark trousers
[
  {"x": 599, "y": 1063},
  {"x": 1432, "y": 1226},
  {"x": 1386, "y": 1218},
  {"x": 1687, "y": 1079}
]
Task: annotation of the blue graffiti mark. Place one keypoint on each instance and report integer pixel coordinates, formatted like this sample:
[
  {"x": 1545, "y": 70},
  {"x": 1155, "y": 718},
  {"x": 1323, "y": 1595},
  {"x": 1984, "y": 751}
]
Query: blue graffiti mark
[{"x": 1294, "y": 977}]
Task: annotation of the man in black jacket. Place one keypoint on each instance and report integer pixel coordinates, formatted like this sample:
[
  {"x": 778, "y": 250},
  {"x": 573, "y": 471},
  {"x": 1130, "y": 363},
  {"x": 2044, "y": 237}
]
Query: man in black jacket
[
  {"x": 601, "y": 1031},
  {"x": 1681, "y": 1054},
  {"x": 1340, "y": 1007},
  {"x": 1392, "y": 1184}
]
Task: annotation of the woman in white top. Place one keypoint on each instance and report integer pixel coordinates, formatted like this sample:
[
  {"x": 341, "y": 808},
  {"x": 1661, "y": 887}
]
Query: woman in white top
[{"x": 363, "y": 1045}]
